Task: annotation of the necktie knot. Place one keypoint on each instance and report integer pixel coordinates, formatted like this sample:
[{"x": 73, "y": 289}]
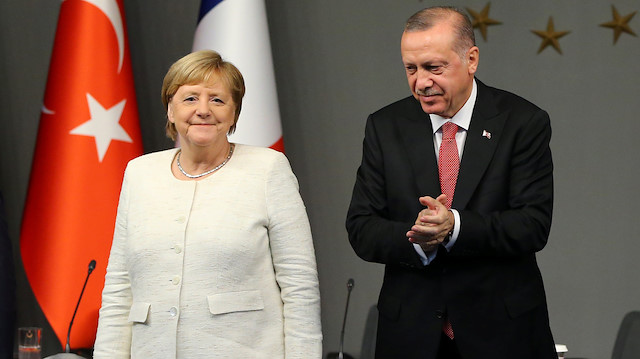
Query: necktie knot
[{"x": 449, "y": 131}]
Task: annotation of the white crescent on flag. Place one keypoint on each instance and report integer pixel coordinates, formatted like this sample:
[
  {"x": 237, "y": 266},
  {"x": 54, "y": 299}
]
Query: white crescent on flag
[{"x": 112, "y": 12}]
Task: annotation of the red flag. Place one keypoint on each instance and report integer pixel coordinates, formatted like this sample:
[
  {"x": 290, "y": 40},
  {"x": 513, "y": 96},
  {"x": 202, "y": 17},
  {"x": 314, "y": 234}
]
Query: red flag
[{"x": 88, "y": 132}]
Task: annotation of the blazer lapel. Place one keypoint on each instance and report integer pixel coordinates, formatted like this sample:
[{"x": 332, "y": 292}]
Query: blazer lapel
[
  {"x": 417, "y": 136},
  {"x": 482, "y": 140}
]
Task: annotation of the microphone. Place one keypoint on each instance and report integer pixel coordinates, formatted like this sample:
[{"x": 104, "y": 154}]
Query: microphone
[
  {"x": 341, "y": 354},
  {"x": 67, "y": 351},
  {"x": 92, "y": 266}
]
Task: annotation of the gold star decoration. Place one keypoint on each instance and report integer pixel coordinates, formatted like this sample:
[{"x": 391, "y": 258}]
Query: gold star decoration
[
  {"x": 550, "y": 36},
  {"x": 619, "y": 24},
  {"x": 481, "y": 20}
]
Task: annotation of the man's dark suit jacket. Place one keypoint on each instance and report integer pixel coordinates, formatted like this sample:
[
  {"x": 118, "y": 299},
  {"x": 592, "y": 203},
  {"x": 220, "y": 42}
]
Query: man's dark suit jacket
[{"x": 489, "y": 284}]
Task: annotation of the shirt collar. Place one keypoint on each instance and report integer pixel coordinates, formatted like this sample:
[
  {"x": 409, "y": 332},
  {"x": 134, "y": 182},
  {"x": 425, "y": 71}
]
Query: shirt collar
[{"x": 463, "y": 117}]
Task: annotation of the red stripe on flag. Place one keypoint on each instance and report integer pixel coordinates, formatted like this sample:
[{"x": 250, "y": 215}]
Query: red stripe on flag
[{"x": 278, "y": 145}]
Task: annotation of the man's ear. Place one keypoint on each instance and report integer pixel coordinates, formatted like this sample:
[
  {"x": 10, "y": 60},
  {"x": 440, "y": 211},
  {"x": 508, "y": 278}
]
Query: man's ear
[{"x": 473, "y": 57}]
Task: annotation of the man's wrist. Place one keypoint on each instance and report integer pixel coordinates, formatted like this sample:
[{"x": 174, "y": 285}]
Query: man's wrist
[
  {"x": 452, "y": 219},
  {"x": 448, "y": 237}
]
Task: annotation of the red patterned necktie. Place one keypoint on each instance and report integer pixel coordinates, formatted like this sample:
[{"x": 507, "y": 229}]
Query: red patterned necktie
[
  {"x": 448, "y": 161},
  {"x": 448, "y": 167}
]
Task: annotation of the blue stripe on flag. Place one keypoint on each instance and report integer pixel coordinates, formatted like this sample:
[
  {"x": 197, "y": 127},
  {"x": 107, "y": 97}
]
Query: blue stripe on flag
[{"x": 205, "y": 6}]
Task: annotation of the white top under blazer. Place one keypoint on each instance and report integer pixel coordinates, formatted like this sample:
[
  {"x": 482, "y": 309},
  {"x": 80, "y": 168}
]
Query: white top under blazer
[{"x": 223, "y": 267}]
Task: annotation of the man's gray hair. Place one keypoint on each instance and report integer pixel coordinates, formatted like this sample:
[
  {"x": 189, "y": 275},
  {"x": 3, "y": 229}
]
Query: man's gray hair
[{"x": 429, "y": 17}]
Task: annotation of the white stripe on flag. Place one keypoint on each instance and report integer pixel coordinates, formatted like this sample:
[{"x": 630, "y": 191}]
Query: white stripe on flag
[{"x": 238, "y": 30}]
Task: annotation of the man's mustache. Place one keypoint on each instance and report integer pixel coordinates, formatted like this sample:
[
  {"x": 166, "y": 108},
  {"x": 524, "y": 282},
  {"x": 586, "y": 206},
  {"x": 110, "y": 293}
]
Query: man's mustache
[{"x": 429, "y": 92}]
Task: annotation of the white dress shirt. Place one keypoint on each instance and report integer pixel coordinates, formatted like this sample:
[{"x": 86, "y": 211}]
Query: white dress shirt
[{"x": 463, "y": 119}]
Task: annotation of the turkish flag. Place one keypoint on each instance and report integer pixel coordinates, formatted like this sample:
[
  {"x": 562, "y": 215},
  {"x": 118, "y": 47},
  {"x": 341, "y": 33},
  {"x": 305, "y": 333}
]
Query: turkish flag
[{"x": 88, "y": 132}]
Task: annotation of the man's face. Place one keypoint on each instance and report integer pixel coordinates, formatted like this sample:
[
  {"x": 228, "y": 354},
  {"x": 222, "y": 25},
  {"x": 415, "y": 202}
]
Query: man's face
[{"x": 438, "y": 77}]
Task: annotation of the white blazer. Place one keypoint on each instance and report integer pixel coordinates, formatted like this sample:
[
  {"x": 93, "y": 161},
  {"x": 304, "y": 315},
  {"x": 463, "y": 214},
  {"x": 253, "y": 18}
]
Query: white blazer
[{"x": 223, "y": 267}]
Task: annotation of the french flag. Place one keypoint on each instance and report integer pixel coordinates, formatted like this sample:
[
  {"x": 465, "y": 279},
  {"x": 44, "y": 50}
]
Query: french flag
[{"x": 238, "y": 30}]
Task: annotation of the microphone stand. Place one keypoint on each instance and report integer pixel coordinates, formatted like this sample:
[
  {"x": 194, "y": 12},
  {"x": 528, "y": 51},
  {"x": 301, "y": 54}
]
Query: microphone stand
[
  {"x": 67, "y": 354},
  {"x": 341, "y": 354}
]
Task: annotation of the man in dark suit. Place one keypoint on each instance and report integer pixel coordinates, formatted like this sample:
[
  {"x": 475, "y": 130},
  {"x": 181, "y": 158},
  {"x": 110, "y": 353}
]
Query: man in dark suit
[
  {"x": 458, "y": 242},
  {"x": 7, "y": 288}
]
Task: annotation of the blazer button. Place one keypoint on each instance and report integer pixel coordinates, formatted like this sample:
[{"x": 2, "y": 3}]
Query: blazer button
[{"x": 439, "y": 314}]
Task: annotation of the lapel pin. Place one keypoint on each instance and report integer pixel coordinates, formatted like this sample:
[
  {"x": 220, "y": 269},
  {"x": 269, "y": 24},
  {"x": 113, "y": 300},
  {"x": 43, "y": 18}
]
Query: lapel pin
[{"x": 486, "y": 134}]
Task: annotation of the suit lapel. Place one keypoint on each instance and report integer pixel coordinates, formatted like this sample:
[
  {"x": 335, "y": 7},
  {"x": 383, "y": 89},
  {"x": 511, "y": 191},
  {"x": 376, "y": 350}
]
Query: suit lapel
[
  {"x": 417, "y": 136},
  {"x": 482, "y": 140}
]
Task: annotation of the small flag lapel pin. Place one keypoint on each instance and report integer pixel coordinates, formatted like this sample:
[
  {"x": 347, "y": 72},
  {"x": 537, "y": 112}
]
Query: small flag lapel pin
[{"x": 486, "y": 134}]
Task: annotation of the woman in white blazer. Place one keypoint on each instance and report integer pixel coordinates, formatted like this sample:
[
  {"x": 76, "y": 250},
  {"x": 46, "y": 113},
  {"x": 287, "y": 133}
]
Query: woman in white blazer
[{"x": 212, "y": 255}]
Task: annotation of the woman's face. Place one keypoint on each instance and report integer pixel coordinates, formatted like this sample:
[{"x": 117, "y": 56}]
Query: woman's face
[{"x": 202, "y": 113}]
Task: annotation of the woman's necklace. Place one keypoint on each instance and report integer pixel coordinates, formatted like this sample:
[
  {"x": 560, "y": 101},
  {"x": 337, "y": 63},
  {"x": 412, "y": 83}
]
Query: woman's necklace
[{"x": 209, "y": 171}]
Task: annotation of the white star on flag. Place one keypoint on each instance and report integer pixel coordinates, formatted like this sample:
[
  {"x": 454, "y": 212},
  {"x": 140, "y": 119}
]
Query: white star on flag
[{"x": 104, "y": 125}]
